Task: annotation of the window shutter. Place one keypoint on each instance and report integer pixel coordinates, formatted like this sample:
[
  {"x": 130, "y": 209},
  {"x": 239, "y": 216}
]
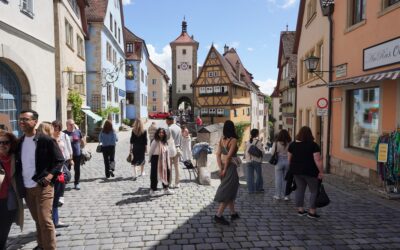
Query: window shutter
[{"x": 226, "y": 112}]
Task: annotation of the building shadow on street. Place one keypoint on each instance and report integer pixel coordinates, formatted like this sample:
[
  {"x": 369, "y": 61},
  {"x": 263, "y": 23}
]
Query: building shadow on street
[{"x": 17, "y": 242}]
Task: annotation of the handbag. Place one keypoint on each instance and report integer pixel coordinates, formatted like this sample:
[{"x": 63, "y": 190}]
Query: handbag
[
  {"x": 255, "y": 151},
  {"x": 274, "y": 157},
  {"x": 322, "y": 197},
  {"x": 99, "y": 148},
  {"x": 66, "y": 173},
  {"x": 129, "y": 158}
]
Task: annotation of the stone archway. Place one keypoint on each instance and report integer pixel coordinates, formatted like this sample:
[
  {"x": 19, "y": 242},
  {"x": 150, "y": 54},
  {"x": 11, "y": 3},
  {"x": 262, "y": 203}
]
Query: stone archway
[{"x": 185, "y": 108}]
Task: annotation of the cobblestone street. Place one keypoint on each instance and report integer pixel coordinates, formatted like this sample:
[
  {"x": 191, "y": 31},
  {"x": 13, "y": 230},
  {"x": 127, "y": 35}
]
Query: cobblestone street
[{"x": 119, "y": 214}]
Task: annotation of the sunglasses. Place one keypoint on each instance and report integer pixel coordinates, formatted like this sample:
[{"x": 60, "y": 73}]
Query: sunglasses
[
  {"x": 5, "y": 142},
  {"x": 25, "y": 119}
]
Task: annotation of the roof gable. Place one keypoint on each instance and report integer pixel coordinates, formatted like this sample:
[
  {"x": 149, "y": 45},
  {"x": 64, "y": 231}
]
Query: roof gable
[{"x": 138, "y": 45}]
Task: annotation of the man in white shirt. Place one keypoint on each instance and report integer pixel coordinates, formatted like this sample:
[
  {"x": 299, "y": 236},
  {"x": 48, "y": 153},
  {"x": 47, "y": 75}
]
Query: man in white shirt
[
  {"x": 38, "y": 163},
  {"x": 174, "y": 131}
]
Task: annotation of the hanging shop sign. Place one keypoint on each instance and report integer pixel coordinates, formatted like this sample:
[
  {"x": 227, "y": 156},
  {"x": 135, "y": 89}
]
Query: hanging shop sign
[
  {"x": 382, "y": 54},
  {"x": 382, "y": 152}
]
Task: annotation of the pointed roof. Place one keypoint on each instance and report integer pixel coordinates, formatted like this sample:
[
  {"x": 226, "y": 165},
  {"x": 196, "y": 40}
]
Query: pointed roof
[
  {"x": 233, "y": 58},
  {"x": 96, "y": 11},
  {"x": 184, "y": 37},
  {"x": 286, "y": 44},
  {"x": 138, "y": 43},
  {"x": 160, "y": 70}
]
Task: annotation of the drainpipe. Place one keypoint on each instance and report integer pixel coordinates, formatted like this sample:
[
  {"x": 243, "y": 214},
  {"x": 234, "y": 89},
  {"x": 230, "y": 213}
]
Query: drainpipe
[{"x": 328, "y": 147}]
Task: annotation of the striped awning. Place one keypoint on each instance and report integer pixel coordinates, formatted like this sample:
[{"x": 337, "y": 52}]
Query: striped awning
[{"x": 387, "y": 75}]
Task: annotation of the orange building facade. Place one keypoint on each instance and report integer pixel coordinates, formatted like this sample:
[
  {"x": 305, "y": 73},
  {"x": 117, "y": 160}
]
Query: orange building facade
[{"x": 365, "y": 100}]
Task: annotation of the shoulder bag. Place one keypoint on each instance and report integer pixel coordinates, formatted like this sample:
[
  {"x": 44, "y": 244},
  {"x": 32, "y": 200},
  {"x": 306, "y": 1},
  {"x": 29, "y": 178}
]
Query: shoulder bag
[
  {"x": 274, "y": 157},
  {"x": 255, "y": 151}
]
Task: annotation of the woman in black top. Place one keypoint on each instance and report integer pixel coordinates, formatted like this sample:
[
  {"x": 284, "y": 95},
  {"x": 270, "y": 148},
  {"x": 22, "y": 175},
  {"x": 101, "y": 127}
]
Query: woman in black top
[
  {"x": 306, "y": 166},
  {"x": 138, "y": 147}
]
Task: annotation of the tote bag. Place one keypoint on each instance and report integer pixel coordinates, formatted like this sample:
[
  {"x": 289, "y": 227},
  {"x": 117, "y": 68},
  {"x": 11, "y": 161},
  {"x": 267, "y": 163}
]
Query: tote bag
[{"x": 322, "y": 197}]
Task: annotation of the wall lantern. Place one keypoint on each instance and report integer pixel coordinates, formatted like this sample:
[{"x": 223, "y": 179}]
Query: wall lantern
[{"x": 311, "y": 65}]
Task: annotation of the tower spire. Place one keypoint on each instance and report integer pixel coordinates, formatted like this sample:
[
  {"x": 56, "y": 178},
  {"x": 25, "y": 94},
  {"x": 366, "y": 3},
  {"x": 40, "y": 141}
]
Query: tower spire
[{"x": 184, "y": 25}]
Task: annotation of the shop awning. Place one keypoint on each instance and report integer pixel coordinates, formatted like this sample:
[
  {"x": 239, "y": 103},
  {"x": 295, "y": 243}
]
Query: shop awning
[
  {"x": 90, "y": 113},
  {"x": 387, "y": 75}
]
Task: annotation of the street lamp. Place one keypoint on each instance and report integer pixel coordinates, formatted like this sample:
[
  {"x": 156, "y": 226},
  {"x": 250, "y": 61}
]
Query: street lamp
[
  {"x": 112, "y": 75},
  {"x": 311, "y": 65}
]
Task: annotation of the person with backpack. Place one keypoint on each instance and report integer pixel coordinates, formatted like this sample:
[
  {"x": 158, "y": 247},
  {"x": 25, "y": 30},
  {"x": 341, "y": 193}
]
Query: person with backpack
[
  {"x": 281, "y": 146},
  {"x": 254, "y": 154}
]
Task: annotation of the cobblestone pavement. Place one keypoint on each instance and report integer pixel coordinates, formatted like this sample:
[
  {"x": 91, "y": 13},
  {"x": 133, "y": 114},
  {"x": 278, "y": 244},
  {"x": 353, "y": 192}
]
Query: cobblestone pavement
[{"x": 119, "y": 214}]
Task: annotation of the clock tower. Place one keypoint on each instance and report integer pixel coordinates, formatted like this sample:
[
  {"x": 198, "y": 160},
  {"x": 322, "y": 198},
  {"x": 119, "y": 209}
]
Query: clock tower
[{"x": 184, "y": 69}]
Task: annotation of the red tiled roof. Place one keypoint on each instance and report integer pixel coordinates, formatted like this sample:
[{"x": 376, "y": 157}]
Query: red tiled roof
[
  {"x": 232, "y": 57},
  {"x": 96, "y": 10},
  {"x": 184, "y": 38}
]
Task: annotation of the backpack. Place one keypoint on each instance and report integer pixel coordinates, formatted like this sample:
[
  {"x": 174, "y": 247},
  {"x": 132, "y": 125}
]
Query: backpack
[{"x": 254, "y": 151}]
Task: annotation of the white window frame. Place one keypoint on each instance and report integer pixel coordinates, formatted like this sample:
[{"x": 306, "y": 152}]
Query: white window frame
[
  {"x": 224, "y": 89},
  {"x": 220, "y": 111},
  {"x": 217, "y": 89},
  {"x": 27, "y": 7},
  {"x": 69, "y": 34},
  {"x": 204, "y": 111},
  {"x": 202, "y": 90},
  {"x": 212, "y": 111},
  {"x": 210, "y": 73},
  {"x": 209, "y": 90},
  {"x": 80, "y": 46}
]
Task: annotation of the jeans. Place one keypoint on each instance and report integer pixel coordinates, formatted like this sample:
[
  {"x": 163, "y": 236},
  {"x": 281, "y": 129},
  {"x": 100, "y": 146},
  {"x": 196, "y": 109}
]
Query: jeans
[
  {"x": 258, "y": 185},
  {"x": 154, "y": 173},
  {"x": 302, "y": 181},
  {"x": 108, "y": 156},
  {"x": 6, "y": 219},
  {"x": 77, "y": 168},
  {"x": 58, "y": 191},
  {"x": 39, "y": 201},
  {"x": 281, "y": 168}
]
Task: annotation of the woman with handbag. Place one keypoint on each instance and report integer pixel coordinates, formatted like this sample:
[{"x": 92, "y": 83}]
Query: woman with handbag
[
  {"x": 226, "y": 159},
  {"x": 254, "y": 153},
  {"x": 160, "y": 163},
  {"x": 108, "y": 139},
  {"x": 64, "y": 144},
  {"x": 306, "y": 166},
  {"x": 138, "y": 147},
  {"x": 11, "y": 208},
  {"x": 280, "y": 148}
]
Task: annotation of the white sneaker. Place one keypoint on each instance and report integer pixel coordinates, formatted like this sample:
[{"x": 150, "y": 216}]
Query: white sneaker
[
  {"x": 143, "y": 174},
  {"x": 276, "y": 197},
  {"x": 61, "y": 200},
  {"x": 152, "y": 193},
  {"x": 168, "y": 192},
  {"x": 178, "y": 185},
  {"x": 287, "y": 198}
]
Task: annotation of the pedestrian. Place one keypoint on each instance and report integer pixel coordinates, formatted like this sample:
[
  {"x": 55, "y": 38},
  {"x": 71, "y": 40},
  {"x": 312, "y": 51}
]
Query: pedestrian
[
  {"x": 11, "y": 207},
  {"x": 281, "y": 146},
  {"x": 306, "y": 165},
  {"x": 77, "y": 141},
  {"x": 151, "y": 131},
  {"x": 108, "y": 139},
  {"x": 38, "y": 163},
  {"x": 227, "y": 163},
  {"x": 138, "y": 147},
  {"x": 59, "y": 187},
  {"x": 186, "y": 144},
  {"x": 160, "y": 163},
  {"x": 174, "y": 140},
  {"x": 199, "y": 121},
  {"x": 254, "y": 163}
]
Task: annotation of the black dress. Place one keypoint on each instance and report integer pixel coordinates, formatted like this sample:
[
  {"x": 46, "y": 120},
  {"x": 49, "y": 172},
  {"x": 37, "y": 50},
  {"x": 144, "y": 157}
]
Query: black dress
[{"x": 139, "y": 144}]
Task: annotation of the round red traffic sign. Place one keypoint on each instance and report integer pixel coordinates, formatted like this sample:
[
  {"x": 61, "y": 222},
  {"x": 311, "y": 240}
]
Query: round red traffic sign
[{"x": 322, "y": 103}]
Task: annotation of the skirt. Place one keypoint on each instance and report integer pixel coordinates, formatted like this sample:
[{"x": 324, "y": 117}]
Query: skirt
[
  {"x": 228, "y": 189},
  {"x": 138, "y": 155}
]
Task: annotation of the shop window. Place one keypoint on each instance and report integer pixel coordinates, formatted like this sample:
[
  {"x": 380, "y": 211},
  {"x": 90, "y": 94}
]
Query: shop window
[
  {"x": 130, "y": 98},
  {"x": 363, "y": 118},
  {"x": 388, "y": 3}
]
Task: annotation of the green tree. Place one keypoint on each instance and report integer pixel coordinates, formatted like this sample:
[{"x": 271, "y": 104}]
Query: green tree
[{"x": 76, "y": 104}]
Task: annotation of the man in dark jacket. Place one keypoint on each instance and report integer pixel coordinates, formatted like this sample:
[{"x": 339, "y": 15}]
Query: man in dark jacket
[{"x": 38, "y": 163}]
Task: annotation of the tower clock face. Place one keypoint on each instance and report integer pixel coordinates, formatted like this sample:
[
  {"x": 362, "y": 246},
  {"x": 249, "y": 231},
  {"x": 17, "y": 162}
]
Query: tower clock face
[{"x": 184, "y": 66}]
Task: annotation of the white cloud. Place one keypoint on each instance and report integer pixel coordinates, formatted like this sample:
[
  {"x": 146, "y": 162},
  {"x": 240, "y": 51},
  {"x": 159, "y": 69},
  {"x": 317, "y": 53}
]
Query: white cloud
[
  {"x": 162, "y": 59},
  {"x": 288, "y": 3},
  {"x": 267, "y": 86},
  {"x": 284, "y": 4},
  {"x": 234, "y": 44},
  {"x": 127, "y": 2},
  {"x": 250, "y": 49}
]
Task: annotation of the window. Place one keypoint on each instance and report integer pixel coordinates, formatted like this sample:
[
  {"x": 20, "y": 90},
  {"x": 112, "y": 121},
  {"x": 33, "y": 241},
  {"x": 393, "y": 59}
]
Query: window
[
  {"x": 129, "y": 47},
  {"x": 154, "y": 99},
  {"x": 154, "y": 94},
  {"x": 141, "y": 75},
  {"x": 184, "y": 52},
  {"x": 114, "y": 57},
  {"x": 217, "y": 89},
  {"x": 212, "y": 111},
  {"x": 235, "y": 113},
  {"x": 364, "y": 118},
  {"x": 204, "y": 111},
  {"x": 320, "y": 54},
  {"x": 202, "y": 90},
  {"x": 115, "y": 29},
  {"x": 387, "y": 3},
  {"x": 220, "y": 111},
  {"x": 154, "y": 81},
  {"x": 224, "y": 89},
  {"x": 209, "y": 90},
  {"x": 311, "y": 9},
  {"x": 109, "y": 52},
  {"x": 75, "y": 7},
  {"x": 96, "y": 102},
  {"x": 119, "y": 35},
  {"x": 109, "y": 92},
  {"x": 111, "y": 23},
  {"x": 69, "y": 35},
  {"x": 357, "y": 11},
  {"x": 79, "y": 45},
  {"x": 27, "y": 7},
  {"x": 248, "y": 111},
  {"x": 154, "y": 108},
  {"x": 115, "y": 94},
  {"x": 130, "y": 98}
]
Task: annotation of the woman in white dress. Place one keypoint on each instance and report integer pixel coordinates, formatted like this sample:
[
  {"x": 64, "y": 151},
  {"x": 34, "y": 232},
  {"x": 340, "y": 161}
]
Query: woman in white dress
[{"x": 186, "y": 146}]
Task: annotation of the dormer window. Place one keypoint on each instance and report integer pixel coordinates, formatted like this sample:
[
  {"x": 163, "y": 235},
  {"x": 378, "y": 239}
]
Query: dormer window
[{"x": 129, "y": 47}]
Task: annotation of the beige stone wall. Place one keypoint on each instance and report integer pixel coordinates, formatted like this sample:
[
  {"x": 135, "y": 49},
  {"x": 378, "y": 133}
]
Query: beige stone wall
[{"x": 160, "y": 89}]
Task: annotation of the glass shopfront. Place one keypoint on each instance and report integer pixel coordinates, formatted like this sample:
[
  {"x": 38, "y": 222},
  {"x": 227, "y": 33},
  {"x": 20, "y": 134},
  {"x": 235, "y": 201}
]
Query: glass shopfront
[{"x": 364, "y": 118}]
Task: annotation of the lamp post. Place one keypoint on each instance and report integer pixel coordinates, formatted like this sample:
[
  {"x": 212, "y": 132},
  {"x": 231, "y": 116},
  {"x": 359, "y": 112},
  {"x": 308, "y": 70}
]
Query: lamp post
[{"x": 311, "y": 65}]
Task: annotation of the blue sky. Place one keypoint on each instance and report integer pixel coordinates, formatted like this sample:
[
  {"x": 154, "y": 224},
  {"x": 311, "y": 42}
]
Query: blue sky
[{"x": 251, "y": 26}]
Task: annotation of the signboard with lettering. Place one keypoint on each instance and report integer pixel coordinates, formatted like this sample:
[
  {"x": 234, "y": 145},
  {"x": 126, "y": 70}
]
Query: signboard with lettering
[
  {"x": 383, "y": 54},
  {"x": 341, "y": 70},
  {"x": 322, "y": 112}
]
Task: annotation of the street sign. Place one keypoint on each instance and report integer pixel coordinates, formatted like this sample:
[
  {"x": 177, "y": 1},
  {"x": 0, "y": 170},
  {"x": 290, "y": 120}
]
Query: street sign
[
  {"x": 322, "y": 103},
  {"x": 322, "y": 112}
]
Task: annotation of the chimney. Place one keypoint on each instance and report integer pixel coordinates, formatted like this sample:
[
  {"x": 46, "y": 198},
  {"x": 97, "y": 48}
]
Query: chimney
[
  {"x": 226, "y": 48},
  {"x": 238, "y": 70}
]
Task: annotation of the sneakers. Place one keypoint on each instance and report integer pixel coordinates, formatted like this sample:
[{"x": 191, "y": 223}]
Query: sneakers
[
  {"x": 77, "y": 186},
  {"x": 168, "y": 191},
  {"x": 235, "y": 216},
  {"x": 313, "y": 216},
  {"x": 287, "y": 198},
  {"x": 220, "y": 220},
  {"x": 144, "y": 173},
  {"x": 61, "y": 200},
  {"x": 178, "y": 185},
  {"x": 301, "y": 213},
  {"x": 152, "y": 193},
  {"x": 61, "y": 225},
  {"x": 112, "y": 173},
  {"x": 276, "y": 197}
]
